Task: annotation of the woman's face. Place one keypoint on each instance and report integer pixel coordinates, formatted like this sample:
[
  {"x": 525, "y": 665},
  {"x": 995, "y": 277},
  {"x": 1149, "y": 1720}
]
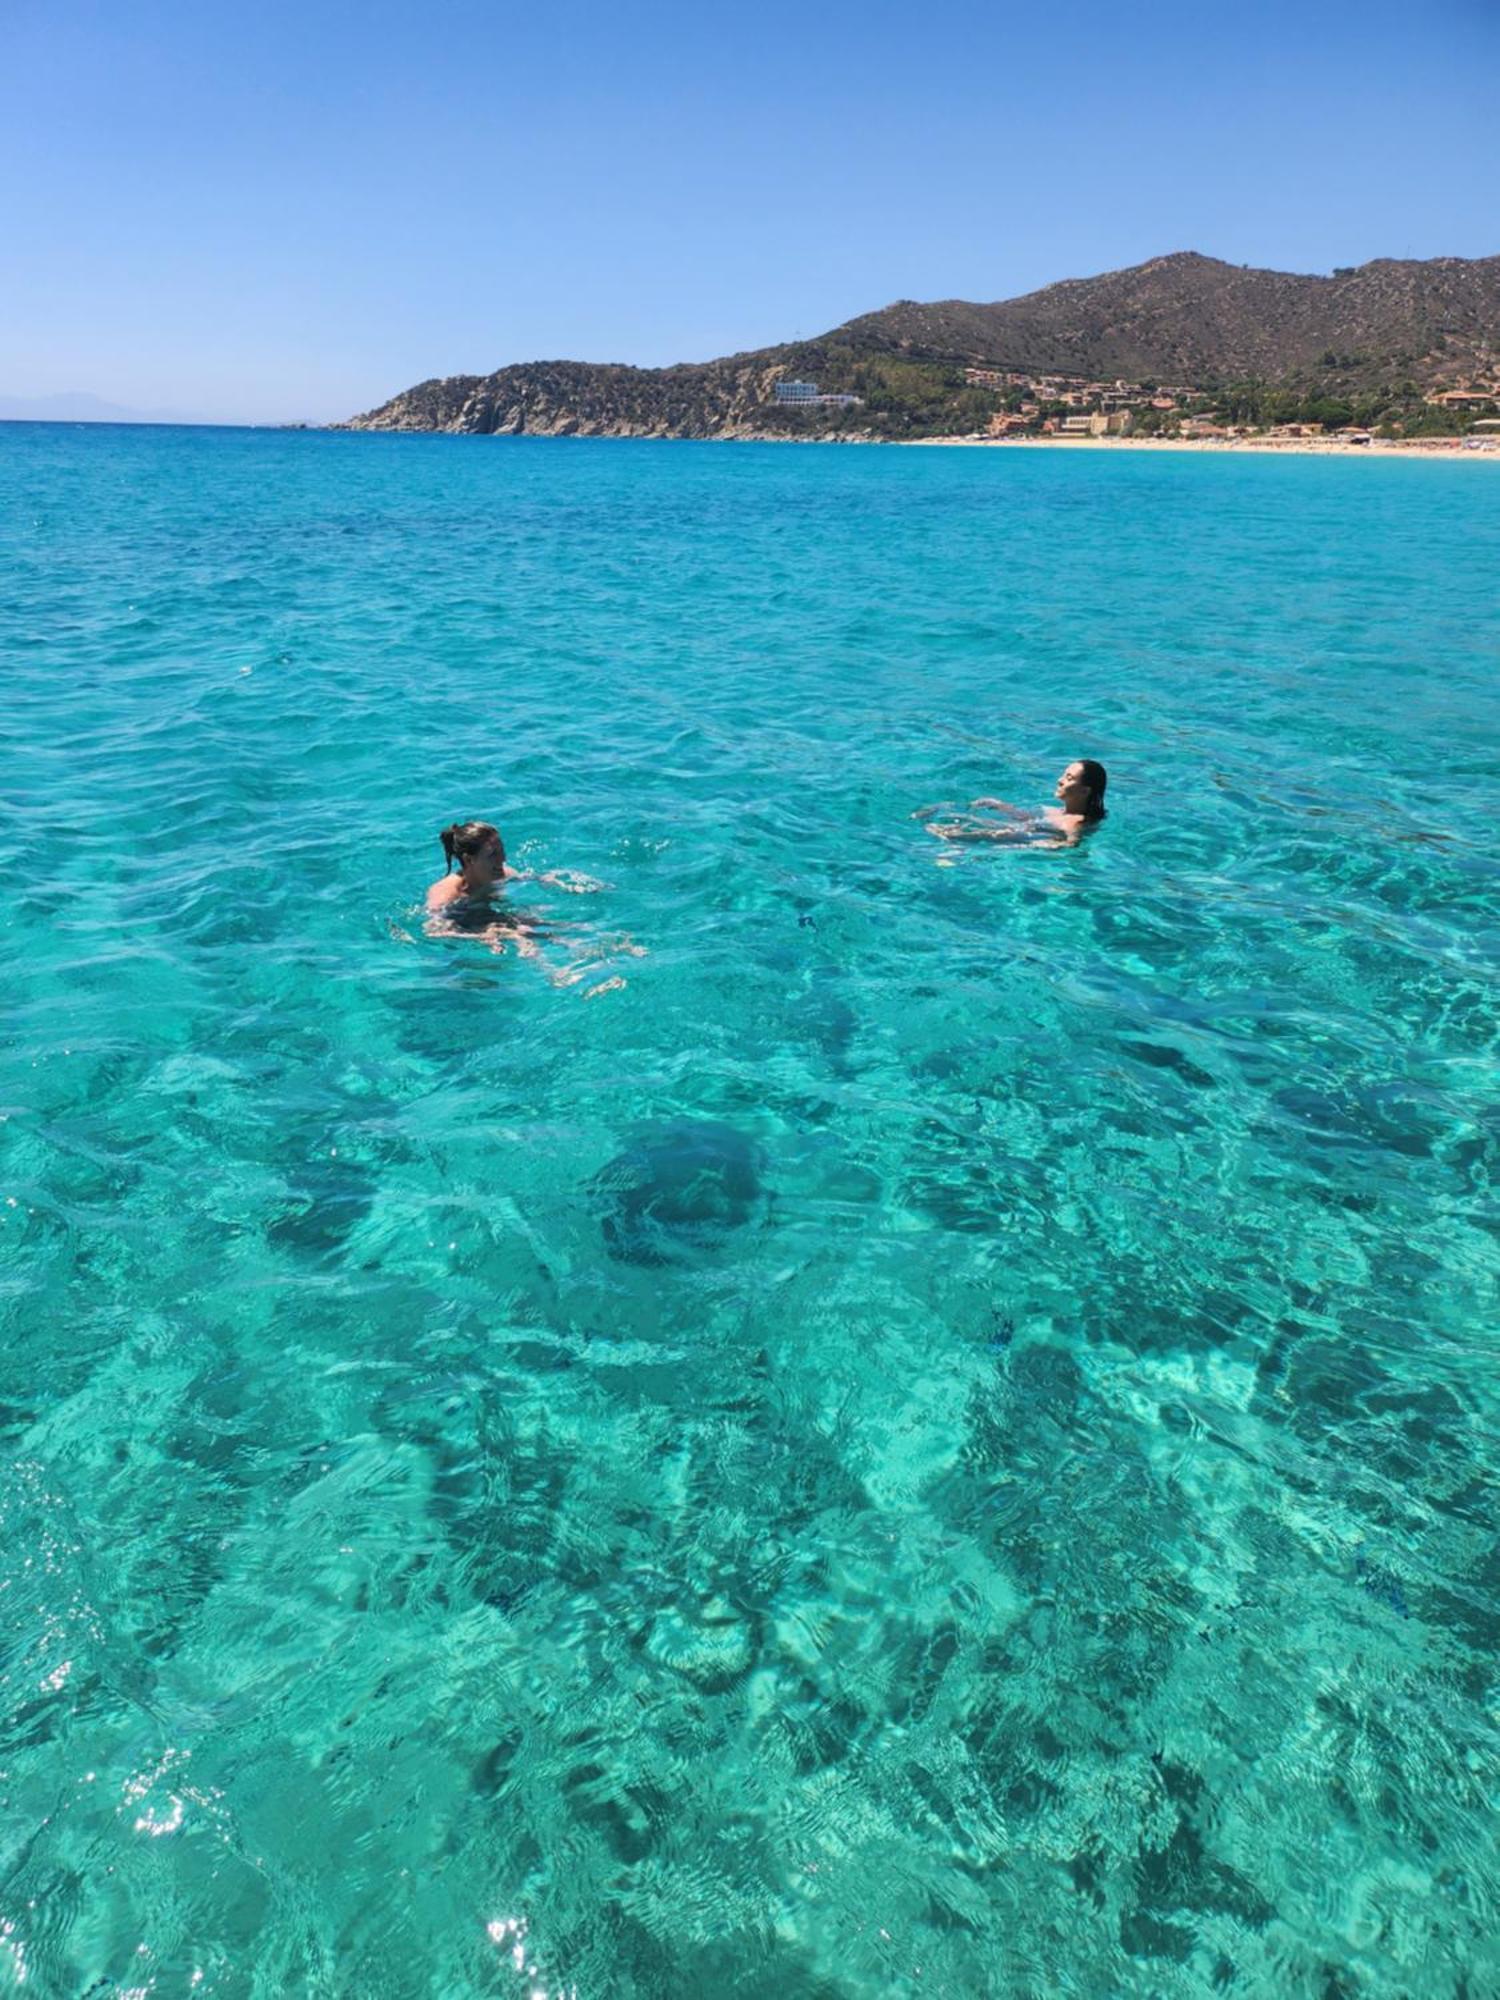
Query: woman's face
[
  {"x": 1072, "y": 790},
  {"x": 485, "y": 865}
]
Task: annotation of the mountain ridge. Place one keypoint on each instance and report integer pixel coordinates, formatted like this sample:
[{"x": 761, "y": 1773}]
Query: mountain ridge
[{"x": 1393, "y": 328}]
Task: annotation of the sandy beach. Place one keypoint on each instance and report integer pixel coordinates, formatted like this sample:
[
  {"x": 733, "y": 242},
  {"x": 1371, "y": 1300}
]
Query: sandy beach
[{"x": 1424, "y": 448}]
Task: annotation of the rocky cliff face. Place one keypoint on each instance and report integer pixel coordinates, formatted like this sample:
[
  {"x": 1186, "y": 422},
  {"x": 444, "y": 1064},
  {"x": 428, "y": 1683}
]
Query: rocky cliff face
[
  {"x": 1183, "y": 319},
  {"x": 580, "y": 399}
]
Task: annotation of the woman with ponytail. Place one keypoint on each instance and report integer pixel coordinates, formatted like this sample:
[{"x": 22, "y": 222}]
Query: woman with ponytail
[
  {"x": 475, "y": 849},
  {"x": 462, "y": 903}
]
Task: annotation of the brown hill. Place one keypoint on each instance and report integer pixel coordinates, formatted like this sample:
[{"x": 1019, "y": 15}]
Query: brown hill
[
  {"x": 1386, "y": 330},
  {"x": 1193, "y": 319}
]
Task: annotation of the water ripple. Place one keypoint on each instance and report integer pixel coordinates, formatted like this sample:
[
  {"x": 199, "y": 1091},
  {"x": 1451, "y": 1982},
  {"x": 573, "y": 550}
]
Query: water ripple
[{"x": 859, "y": 1427}]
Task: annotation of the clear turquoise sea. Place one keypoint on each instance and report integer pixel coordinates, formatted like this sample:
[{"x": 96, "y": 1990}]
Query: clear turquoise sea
[{"x": 882, "y": 1420}]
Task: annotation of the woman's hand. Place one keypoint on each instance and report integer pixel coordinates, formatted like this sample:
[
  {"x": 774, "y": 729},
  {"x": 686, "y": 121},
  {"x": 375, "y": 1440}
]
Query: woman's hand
[
  {"x": 571, "y": 882},
  {"x": 996, "y": 805}
]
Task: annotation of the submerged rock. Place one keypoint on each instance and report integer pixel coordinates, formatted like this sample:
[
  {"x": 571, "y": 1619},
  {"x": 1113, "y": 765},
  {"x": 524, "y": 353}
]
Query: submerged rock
[
  {"x": 325, "y": 1200},
  {"x": 679, "y": 1191},
  {"x": 709, "y": 1644}
]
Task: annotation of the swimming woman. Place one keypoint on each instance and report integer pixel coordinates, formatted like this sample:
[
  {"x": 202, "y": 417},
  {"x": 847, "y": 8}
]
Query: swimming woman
[
  {"x": 1080, "y": 806},
  {"x": 475, "y": 848},
  {"x": 463, "y": 902}
]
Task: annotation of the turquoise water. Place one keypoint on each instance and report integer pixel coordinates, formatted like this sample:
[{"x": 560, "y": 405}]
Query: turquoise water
[{"x": 859, "y": 1427}]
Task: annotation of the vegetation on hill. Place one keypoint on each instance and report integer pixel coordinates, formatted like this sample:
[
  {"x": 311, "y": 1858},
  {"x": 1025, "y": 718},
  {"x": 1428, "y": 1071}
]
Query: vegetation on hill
[
  {"x": 1193, "y": 319},
  {"x": 1367, "y": 345}
]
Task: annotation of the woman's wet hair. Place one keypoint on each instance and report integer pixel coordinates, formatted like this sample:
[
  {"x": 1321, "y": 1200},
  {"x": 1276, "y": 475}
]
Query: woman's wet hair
[
  {"x": 1096, "y": 778},
  {"x": 466, "y": 837}
]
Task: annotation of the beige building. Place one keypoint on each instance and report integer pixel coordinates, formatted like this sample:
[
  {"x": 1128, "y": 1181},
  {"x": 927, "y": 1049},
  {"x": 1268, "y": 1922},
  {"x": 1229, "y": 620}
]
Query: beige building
[{"x": 1465, "y": 399}]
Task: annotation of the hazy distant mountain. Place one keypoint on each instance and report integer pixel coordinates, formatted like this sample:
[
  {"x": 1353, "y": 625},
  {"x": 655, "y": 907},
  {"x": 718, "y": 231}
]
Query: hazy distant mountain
[
  {"x": 77, "y": 407},
  {"x": 1386, "y": 329}
]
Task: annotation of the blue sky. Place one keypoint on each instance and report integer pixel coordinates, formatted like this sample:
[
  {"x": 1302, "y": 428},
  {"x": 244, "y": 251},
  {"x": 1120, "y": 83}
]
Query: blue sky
[{"x": 270, "y": 212}]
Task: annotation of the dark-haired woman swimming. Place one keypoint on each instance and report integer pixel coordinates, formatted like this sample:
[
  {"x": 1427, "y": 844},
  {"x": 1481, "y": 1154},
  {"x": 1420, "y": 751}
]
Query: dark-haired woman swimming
[
  {"x": 475, "y": 848},
  {"x": 463, "y": 903},
  {"x": 1080, "y": 805}
]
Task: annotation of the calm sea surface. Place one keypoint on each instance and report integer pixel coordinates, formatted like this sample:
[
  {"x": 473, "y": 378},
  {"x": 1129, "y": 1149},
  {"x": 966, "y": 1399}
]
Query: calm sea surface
[{"x": 860, "y": 1426}]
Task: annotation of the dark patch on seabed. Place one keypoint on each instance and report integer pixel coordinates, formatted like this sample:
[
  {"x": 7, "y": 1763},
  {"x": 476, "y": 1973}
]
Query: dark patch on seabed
[{"x": 679, "y": 1190}]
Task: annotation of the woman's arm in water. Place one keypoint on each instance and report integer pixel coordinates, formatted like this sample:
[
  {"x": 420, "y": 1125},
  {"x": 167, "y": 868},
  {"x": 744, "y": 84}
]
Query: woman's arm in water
[
  {"x": 1017, "y": 813},
  {"x": 1049, "y": 828},
  {"x": 962, "y": 830},
  {"x": 571, "y": 881}
]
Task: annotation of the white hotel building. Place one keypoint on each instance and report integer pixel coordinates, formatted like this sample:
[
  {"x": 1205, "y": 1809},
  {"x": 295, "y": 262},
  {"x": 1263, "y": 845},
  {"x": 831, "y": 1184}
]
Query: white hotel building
[{"x": 807, "y": 392}]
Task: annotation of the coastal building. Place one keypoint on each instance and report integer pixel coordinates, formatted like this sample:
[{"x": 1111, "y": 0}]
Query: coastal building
[
  {"x": 805, "y": 395},
  {"x": 1465, "y": 399}
]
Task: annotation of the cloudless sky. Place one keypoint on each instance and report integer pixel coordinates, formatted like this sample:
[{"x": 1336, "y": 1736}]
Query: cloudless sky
[{"x": 267, "y": 211}]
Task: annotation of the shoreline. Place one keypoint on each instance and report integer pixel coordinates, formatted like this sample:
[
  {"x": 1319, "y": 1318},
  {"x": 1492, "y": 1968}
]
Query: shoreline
[
  {"x": 1442, "y": 449},
  {"x": 1424, "y": 448}
]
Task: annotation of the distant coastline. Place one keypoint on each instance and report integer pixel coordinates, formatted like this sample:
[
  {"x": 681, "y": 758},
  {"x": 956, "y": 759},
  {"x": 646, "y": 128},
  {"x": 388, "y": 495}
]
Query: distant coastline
[
  {"x": 1259, "y": 447},
  {"x": 78, "y": 406},
  {"x": 1256, "y": 446},
  {"x": 1253, "y": 445},
  {"x": 1183, "y": 346}
]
